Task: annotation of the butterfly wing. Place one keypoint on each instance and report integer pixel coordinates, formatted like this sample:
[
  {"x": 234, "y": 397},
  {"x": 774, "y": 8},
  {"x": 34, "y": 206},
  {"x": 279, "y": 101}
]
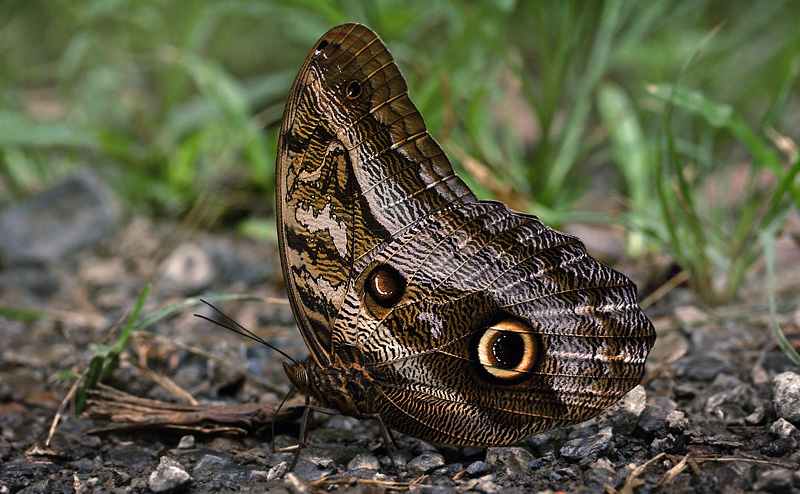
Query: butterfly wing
[
  {"x": 355, "y": 167},
  {"x": 476, "y": 267},
  {"x": 495, "y": 327}
]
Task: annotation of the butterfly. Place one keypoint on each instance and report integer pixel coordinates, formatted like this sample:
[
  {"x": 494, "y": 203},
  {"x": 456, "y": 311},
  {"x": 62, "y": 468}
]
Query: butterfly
[{"x": 447, "y": 318}]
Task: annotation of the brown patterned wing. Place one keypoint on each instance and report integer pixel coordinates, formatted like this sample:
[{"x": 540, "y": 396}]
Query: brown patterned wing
[
  {"x": 355, "y": 167},
  {"x": 505, "y": 328}
]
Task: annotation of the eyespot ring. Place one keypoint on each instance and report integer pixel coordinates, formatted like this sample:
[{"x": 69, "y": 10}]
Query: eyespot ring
[
  {"x": 353, "y": 89},
  {"x": 508, "y": 350},
  {"x": 385, "y": 285}
]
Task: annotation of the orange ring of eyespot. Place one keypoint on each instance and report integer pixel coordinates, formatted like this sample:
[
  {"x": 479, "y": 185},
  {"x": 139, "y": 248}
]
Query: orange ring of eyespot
[{"x": 530, "y": 350}]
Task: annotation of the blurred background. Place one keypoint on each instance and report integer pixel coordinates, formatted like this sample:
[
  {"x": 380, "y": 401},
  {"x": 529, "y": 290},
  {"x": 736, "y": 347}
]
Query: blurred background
[{"x": 671, "y": 123}]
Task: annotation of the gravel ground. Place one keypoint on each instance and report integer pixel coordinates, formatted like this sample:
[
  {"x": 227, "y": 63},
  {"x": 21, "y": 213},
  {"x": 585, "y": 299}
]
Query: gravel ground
[{"x": 718, "y": 411}]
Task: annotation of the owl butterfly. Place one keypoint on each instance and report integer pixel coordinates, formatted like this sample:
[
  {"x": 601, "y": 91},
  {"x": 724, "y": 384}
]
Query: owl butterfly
[{"x": 449, "y": 319}]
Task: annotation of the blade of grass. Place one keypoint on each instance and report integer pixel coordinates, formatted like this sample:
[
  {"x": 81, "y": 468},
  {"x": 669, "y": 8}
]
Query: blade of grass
[
  {"x": 767, "y": 239},
  {"x": 107, "y": 357}
]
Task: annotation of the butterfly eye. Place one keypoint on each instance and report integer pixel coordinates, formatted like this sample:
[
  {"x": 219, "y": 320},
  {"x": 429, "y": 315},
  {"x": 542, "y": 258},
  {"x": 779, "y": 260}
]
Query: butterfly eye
[
  {"x": 353, "y": 90},
  {"x": 385, "y": 285},
  {"x": 508, "y": 350}
]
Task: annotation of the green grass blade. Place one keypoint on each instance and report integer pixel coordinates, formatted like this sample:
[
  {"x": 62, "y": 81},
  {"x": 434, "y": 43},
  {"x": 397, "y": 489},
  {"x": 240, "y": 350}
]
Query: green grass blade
[{"x": 767, "y": 239}]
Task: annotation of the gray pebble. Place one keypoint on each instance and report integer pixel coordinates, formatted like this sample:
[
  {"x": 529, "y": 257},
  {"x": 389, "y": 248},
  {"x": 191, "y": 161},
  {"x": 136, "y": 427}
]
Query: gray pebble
[
  {"x": 778, "y": 480},
  {"x": 278, "y": 470},
  {"x": 588, "y": 447},
  {"x": 314, "y": 467},
  {"x": 786, "y": 396},
  {"x": 186, "y": 442},
  {"x": 782, "y": 428},
  {"x": 364, "y": 461},
  {"x": 676, "y": 421},
  {"x": 512, "y": 460},
  {"x": 70, "y": 216},
  {"x": 425, "y": 463},
  {"x": 169, "y": 476},
  {"x": 625, "y": 414},
  {"x": 208, "y": 462},
  {"x": 654, "y": 418},
  {"x": 600, "y": 474},
  {"x": 188, "y": 270},
  {"x": 703, "y": 367},
  {"x": 477, "y": 469},
  {"x": 779, "y": 447},
  {"x": 484, "y": 484}
]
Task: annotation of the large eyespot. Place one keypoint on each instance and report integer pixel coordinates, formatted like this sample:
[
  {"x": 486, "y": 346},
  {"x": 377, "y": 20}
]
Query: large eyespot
[
  {"x": 385, "y": 285},
  {"x": 353, "y": 90},
  {"x": 508, "y": 350}
]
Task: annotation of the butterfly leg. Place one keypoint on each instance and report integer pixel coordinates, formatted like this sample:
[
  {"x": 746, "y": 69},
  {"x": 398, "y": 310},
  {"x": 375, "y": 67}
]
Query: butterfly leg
[
  {"x": 386, "y": 433},
  {"x": 301, "y": 442}
]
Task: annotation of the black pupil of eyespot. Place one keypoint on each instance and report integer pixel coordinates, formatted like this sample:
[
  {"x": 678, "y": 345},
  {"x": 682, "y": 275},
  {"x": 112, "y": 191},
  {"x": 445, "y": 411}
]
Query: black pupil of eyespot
[
  {"x": 385, "y": 285},
  {"x": 353, "y": 89},
  {"x": 321, "y": 46},
  {"x": 508, "y": 350}
]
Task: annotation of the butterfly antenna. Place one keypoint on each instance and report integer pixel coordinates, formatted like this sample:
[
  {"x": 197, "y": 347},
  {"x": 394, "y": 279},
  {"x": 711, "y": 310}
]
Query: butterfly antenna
[{"x": 240, "y": 330}]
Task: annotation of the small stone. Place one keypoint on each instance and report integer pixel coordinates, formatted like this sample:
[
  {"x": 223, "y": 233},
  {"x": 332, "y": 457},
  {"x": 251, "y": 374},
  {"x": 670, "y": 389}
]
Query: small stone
[
  {"x": 425, "y": 463},
  {"x": 314, "y": 467},
  {"x": 72, "y": 215},
  {"x": 401, "y": 458},
  {"x": 210, "y": 462},
  {"x": 544, "y": 445},
  {"x": 487, "y": 486},
  {"x": 702, "y": 367},
  {"x": 477, "y": 469},
  {"x": 654, "y": 418},
  {"x": 782, "y": 428},
  {"x": 483, "y": 484},
  {"x": 169, "y": 476},
  {"x": 757, "y": 416},
  {"x": 511, "y": 460},
  {"x": 186, "y": 442},
  {"x": 778, "y": 481},
  {"x": 786, "y": 396},
  {"x": 278, "y": 470},
  {"x": 779, "y": 447},
  {"x": 600, "y": 473},
  {"x": 676, "y": 421},
  {"x": 588, "y": 447},
  {"x": 730, "y": 414},
  {"x": 187, "y": 270},
  {"x": 364, "y": 461},
  {"x": 661, "y": 445},
  {"x": 625, "y": 414}
]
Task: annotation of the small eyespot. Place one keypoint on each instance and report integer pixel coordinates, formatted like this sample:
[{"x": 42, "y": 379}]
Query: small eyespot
[
  {"x": 353, "y": 90},
  {"x": 508, "y": 350},
  {"x": 385, "y": 285},
  {"x": 321, "y": 46}
]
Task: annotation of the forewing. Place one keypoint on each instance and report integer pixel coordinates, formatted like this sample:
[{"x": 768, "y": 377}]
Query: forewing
[{"x": 355, "y": 167}]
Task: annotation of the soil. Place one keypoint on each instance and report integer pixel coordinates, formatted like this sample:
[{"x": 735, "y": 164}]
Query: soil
[{"x": 713, "y": 414}]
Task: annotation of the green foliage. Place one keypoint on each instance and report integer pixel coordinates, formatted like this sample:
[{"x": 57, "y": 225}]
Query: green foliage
[
  {"x": 178, "y": 105},
  {"x": 105, "y": 358}
]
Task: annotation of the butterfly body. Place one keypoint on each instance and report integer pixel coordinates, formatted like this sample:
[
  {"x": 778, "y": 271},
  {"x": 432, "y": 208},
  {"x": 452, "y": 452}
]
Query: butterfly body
[{"x": 454, "y": 320}]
